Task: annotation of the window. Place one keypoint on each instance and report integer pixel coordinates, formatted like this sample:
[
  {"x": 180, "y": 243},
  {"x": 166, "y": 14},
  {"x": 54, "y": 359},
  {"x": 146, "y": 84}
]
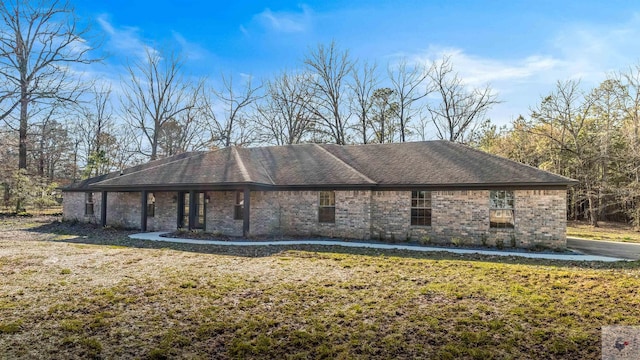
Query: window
[
  {"x": 88, "y": 204},
  {"x": 185, "y": 209},
  {"x": 327, "y": 207},
  {"x": 501, "y": 213},
  {"x": 238, "y": 209},
  {"x": 421, "y": 208},
  {"x": 200, "y": 209},
  {"x": 151, "y": 205}
]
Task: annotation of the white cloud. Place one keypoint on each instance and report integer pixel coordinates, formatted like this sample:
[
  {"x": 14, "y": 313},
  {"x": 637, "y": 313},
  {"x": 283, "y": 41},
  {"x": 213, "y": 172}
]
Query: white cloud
[
  {"x": 124, "y": 41},
  {"x": 190, "y": 50},
  {"x": 477, "y": 70},
  {"x": 285, "y": 21},
  {"x": 578, "y": 51},
  {"x": 593, "y": 50}
]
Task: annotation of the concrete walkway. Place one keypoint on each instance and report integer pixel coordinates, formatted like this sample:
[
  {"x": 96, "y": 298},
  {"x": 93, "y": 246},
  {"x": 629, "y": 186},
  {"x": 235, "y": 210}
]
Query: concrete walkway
[{"x": 155, "y": 236}]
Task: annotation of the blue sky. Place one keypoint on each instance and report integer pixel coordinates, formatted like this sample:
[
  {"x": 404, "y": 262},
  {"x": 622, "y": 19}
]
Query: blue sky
[{"x": 521, "y": 48}]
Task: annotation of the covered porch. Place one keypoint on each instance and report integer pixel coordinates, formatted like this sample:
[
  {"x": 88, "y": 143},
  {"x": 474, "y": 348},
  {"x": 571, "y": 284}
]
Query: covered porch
[{"x": 226, "y": 210}]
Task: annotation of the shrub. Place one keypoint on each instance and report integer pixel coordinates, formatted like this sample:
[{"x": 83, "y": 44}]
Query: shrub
[{"x": 500, "y": 244}]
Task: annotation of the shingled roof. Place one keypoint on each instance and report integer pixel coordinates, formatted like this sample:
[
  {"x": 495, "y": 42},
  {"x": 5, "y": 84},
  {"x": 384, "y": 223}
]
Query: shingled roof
[{"x": 429, "y": 164}]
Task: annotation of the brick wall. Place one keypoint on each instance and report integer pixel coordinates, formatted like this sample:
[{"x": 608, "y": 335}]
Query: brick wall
[
  {"x": 123, "y": 210},
  {"x": 457, "y": 216},
  {"x": 463, "y": 217},
  {"x": 166, "y": 212},
  {"x": 267, "y": 213},
  {"x": 390, "y": 215},
  {"x": 73, "y": 207},
  {"x": 281, "y": 213},
  {"x": 541, "y": 217},
  {"x": 219, "y": 213}
]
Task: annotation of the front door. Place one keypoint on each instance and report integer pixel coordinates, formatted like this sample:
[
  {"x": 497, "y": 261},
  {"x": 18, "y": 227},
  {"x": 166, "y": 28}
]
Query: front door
[{"x": 196, "y": 212}]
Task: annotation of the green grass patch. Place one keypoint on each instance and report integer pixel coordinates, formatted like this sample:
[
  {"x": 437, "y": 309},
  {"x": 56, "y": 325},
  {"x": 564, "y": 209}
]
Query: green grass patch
[
  {"x": 10, "y": 327},
  {"x": 64, "y": 237}
]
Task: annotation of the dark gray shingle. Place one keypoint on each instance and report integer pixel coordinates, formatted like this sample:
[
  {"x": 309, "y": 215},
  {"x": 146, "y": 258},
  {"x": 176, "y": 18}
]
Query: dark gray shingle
[{"x": 430, "y": 163}]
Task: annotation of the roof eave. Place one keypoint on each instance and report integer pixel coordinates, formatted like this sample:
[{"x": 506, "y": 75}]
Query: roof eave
[{"x": 263, "y": 186}]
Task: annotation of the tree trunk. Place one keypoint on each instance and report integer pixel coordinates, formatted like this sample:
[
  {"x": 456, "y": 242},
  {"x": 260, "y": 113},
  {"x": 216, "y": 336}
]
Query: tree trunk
[
  {"x": 593, "y": 213},
  {"x": 22, "y": 149},
  {"x": 41, "y": 155}
]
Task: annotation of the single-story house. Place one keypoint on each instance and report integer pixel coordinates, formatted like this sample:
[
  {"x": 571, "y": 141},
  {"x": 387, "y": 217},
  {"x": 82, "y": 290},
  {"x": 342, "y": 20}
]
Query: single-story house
[{"x": 433, "y": 191}]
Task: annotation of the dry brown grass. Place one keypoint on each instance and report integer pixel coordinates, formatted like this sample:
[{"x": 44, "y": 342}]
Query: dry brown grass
[
  {"x": 69, "y": 298},
  {"x": 610, "y": 231}
]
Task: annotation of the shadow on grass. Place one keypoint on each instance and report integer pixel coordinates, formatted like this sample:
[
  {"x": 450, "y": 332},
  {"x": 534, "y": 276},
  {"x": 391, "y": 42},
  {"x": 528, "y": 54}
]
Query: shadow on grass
[{"x": 91, "y": 234}]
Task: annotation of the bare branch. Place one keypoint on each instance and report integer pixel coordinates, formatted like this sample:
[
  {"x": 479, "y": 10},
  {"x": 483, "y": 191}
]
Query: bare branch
[
  {"x": 39, "y": 40},
  {"x": 460, "y": 109}
]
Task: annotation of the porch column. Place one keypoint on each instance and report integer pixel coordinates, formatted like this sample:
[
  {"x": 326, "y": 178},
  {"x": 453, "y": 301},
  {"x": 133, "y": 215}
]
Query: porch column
[
  {"x": 246, "y": 212},
  {"x": 179, "y": 197},
  {"x": 143, "y": 211},
  {"x": 103, "y": 209},
  {"x": 192, "y": 209}
]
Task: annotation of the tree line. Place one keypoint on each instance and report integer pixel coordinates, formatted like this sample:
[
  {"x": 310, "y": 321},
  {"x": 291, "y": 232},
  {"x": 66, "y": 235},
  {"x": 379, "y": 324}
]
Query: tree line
[
  {"x": 589, "y": 135},
  {"x": 57, "y": 127}
]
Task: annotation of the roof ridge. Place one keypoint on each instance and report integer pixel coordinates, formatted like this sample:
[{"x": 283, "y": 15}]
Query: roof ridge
[
  {"x": 345, "y": 164},
  {"x": 194, "y": 154},
  {"x": 242, "y": 168},
  {"x": 266, "y": 171}
]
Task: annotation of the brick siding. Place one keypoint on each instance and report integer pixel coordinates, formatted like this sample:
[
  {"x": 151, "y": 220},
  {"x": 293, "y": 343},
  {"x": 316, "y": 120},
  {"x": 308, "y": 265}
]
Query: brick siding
[{"x": 457, "y": 216}]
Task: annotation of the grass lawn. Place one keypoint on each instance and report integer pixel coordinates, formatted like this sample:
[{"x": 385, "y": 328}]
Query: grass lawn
[
  {"x": 610, "y": 231},
  {"x": 66, "y": 294}
]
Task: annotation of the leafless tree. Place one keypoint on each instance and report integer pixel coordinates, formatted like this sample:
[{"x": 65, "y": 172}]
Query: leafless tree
[
  {"x": 52, "y": 147},
  {"x": 93, "y": 132},
  {"x": 40, "y": 41},
  {"x": 228, "y": 112},
  {"x": 459, "y": 108},
  {"x": 363, "y": 86},
  {"x": 564, "y": 116},
  {"x": 409, "y": 85},
  {"x": 330, "y": 68},
  {"x": 630, "y": 96},
  {"x": 283, "y": 114},
  {"x": 383, "y": 117},
  {"x": 190, "y": 131},
  {"x": 156, "y": 93},
  {"x": 8, "y": 163},
  {"x": 47, "y": 140}
]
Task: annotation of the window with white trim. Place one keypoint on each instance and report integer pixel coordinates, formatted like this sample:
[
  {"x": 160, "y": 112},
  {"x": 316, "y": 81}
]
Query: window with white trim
[
  {"x": 501, "y": 212},
  {"x": 327, "y": 207},
  {"x": 421, "y": 208}
]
